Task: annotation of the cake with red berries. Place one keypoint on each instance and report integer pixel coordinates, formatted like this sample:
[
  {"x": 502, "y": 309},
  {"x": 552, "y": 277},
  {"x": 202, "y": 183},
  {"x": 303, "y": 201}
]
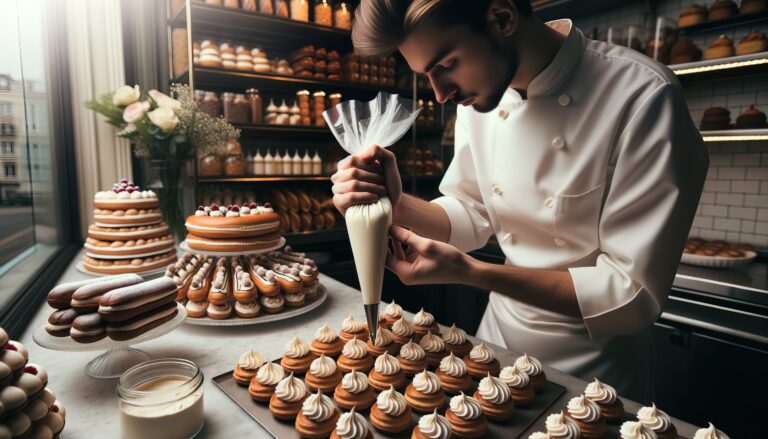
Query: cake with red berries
[{"x": 233, "y": 228}]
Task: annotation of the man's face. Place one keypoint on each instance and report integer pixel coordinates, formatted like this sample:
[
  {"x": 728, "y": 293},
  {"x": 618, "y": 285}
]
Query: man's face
[{"x": 463, "y": 65}]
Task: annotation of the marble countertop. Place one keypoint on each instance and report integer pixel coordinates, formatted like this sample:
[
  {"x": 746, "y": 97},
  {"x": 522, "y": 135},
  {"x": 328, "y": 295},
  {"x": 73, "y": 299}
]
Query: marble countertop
[{"x": 92, "y": 404}]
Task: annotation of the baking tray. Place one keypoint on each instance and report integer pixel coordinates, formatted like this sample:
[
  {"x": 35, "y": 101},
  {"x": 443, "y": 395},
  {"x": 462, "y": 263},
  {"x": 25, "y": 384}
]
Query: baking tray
[{"x": 515, "y": 427}]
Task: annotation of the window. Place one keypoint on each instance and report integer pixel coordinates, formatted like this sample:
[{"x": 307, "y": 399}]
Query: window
[
  {"x": 10, "y": 169},
  {"x": 5, "y": 83},
  {"x": 7, "y": 129},
  {"x": 5, "y": 108},
  {"x": 6, "y": 148}
]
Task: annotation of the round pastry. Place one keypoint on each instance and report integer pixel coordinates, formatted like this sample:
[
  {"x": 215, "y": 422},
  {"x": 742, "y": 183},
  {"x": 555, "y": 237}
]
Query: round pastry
[
  {"x": 30, "y": 384},
  {"x": 232, "y": 222},
  {"x": 684, "y": 51},
  {"x": 519, "y": 384},
  {"x": 287, "y": 400},
  {"x": 60, "y": 322},
  {"x": 703, "y": 433},
  {"x": 693, "y": 15},
  {"x": 384, "y": 343},
  {"x": 392, "y": 313},
  {"x": 453, "y": 375},
  {"x": 403, "y": 332},
  {"x": 244, "y": 244},
  {"x": 435, "y": 348},
  {"x": 722, "y": 47},
  {"x": 13, "y": 359},
  {"x": 456, "y": 341},
  {"x": 38, "y": 371},
  {"x": 262, "y": 387},
  {"x": 13, "y": 399},
  {"x": 197, "y": 309},
  {"x": 297, "y": 357},
  {"x": 432, "y": 426},
  {"x": 658, "y": 421},
  {"x": 13, "y": 345},
  {"x": 722, "y": 9},
  {"x": 635, "y": 430},
  {"x": 611, "y": 407},
  {"x": 272, "y": 304},
  {"x": 495, "y": 398},
  {"x": 317, "y": 418},
  {"x": 54, "y": 421},
  {"x": 19, "y": 425},
  {"x": 6, "y": 374},
  {"x": 352, "y": 327},
  {"x": 219, "y": 311},
  {"x": 586, "y": 414},
  {"x": 355, "y": 356},
  {"x": 391, "y": 413},
  {"x": 127, "y": 217},
  {"x": 247, "y": 310},
  {"x": 752, "y": 6},
  {"x": 295, "y": 300},
  {"x": 560, "y": 426},
  {"x": 754, "y": 42},
  {"x": 481, "y": 361},
  {"x": 386, "y": 373},
  {"x": 88, "y": 328},
  {"x": 40, "y": 431},
  {"x": 532, "y": 367},
  {"x": 326, "y": 342},
  {"x": 247, "y": 367},
  {"x": 425, "y": 394},
  {"x": 354, "y": 391},
  {"x": 716, "y": 118},
  {"x": 751, "y": 118},
  {"x": 36, "y": 409},
  {"x": 323, "y": 375},
  {"x": 424, "y": 322},
  {"x": 351, "y": 425},
  {"x": 125, "y": 195},
  {"x": 465, "y": 414},
  {"x": 412, "y": 358},
  {"x": 135, "y": 265}
]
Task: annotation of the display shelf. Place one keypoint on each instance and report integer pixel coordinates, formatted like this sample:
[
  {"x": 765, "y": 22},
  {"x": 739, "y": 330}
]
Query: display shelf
[
  {"x": 735, "y": 135},
  {"x": 744, "y": 65},
  {"x": 270, "y": 179},
  {"x": 316, "y": 237},
  {"x": 285, "y": 130},
  {"x": 555, "y": 9},
  {"x": 736, "y": 20}
]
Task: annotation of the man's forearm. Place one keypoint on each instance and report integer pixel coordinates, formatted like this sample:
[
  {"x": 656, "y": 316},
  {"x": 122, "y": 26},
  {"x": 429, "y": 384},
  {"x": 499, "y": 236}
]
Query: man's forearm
[{"x": 424, "y": 218}]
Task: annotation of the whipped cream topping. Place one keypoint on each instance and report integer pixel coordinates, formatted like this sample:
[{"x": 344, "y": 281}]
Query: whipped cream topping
[
  {"x": 514, "y": 377},
  {"x": 455, "y": 336},
  {"x": 352, "y": 425},
  {"x": 635, "y": 430},
  {"x": 354, "y": 382},
  {"x": 432, "y": 343},
  {"x": 270, "y": 374},
  {"x": 393, "y": 311},
  {"x": 709, "y": 433},
  {"x": 531, "y": 366},
  {"x": 601, "y": 393},
  {"x": 494, "y": 390},
  {"x": 583, "y": 409},
  {"x": 386, "y": 365},
  {"x": 318, "y": 407},
  {"x": 391, "y": 403},
  {"x": 251, "y": 360},
  {"x": 291, "y": 389},
  {"x": 654, "y": 418},
  {"x": 540, "y": 435},
  {"x": 322, "y": 366},
  {"x": 481, "y": 354},
  {"x": 427, "y": 382},
  {"x": 413, "y": 352},
  {"x": 383, "y": 337},
  {"x": 352, "y": 324},
  {"x": 423, "y": 318},
  {"x": 453, "y": 366},
  {"x": 561, "y": 427},
  {"x": 402, "y": 328},
  {"x": 466, "y": 407},
  {"x": 355, "y": 349},
  {"x": 325, "y": 334},
  {"x": 435, "y": 426},
  {"x": 296, "y": 348}
]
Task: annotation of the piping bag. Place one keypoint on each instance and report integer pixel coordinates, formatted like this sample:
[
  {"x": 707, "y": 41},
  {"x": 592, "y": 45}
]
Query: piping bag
[{"x": 357, "y": 125}]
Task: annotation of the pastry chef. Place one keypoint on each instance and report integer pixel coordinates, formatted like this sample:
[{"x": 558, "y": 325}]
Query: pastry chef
[{"x": 580, "y": 157}]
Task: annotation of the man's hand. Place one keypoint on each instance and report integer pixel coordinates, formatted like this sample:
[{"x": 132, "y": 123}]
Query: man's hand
[
  {"x": 426, "y": 261},
  {"x": 364, "y": 178}
]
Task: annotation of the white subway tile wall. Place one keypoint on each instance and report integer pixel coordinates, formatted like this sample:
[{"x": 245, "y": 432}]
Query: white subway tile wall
[{"x": 734, "y": 203}]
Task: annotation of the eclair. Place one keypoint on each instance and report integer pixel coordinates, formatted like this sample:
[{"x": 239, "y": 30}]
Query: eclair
[
  {"x": 133, "y": 327},
  {"x": 264, "y": 279},
  {"x": 288, "y": 278},
  {"x": 87, "y": 298},
  {"x": 244, "y": 289},
  {"x": 60, "y": 322},
  {"x": 88, "y": 328},
  {"x": 201, "y": 282},
  {"x": 128, "y": 302},
  {"x": 220, "y": 285},
  {"x": 61, "y": 295}
]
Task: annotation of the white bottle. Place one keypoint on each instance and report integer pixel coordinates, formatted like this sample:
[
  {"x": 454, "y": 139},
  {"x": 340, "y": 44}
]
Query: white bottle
[
  {"x": 258, "y": 164},
  {"x": 306, "y": 164},
  {"x": 296, "y": 164},
  {"x": 317, "y": 164},
  {"x": 249, "y": 164},
  {"x": 287, "y": 168},
  {"x": 269, "y": 163}
]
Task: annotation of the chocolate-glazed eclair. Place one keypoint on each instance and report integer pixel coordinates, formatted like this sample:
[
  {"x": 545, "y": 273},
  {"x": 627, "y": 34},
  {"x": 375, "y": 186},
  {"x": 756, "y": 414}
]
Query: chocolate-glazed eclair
[
  {"x": 60, "y": 322},
  {"x": 126, "y": 303},
  {"x": 86, "y": 298},
  {"x": 61, "y": 295},
  {"x": 88, "y": 328},
  {"x": 142, "y": 323}
]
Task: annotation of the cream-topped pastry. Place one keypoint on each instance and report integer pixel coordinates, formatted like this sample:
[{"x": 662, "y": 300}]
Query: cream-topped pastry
[
  {"x": 434, "y": 426},
  {"x": 355, "y": 349},
  {"x": 482, "y": 354},
  {"x": 318, "y": 407},
  {"x": 423, "y": 318},
  {"x": 352, "y": 425},
  {"x": 392, "y": 313},
  {"x": 453, "y": 366},
  {"x": 386, "y": 365},
  {"x": 270, "y": 374},
  {"x": 605, "y": 396},
  {"x": 582, "y": 409},
  {"x": 636, "y": 430},
  {"x": 710, "y": 432},
  {"x": 653, "y": 418},
  {"x": 251, "y": 360},
  {"x": 391, "y": 402},
  {"x": 354, "y": 391},
  {"x": 326, "y": 342},
  {"x": 465, "y": 407},
  {"x": 355, "y": 355},
  {"x": 322, "y": 366},
  {"x": 413, "y": 352},
  {"x": 519, "y": 384},
  {"x": 426, "y": 382},
  {"x": 386, "y": 372},
  {"x": 325, "y": 334},
  {"x": 481, "y": 360},
  {"x": 352, "y": 327},
  {"x": 455, "y": 336},
  {"x": 291, "y": 389},
  {"x": 494, "y": 390},
  {"x": 540, "y": 435},
  {"x": 532, "y": 367},
  {"x": 402, "y": 330},
  {"x": 384, "y": 342},
  {"x": 354, "y": 382},
  {"x": 559, "y": 426},
  {"x": 296, "y": 348},
  {"x": 432, "y": 343}
]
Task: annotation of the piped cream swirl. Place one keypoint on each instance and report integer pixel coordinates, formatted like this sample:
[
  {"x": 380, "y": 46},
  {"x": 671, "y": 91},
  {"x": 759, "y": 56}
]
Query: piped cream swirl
[
  {"x": 654, "y": 418},
  {"x": 514, "y": 377},
  {"x": 600, "y": 393},
  {"x": 560, "y": 426},
  {"x": 635, "y": 430},
  {"x": 709, "y": 433},
  {"x": 481, "y": 354},
  {"x": 453, "y": 366},
  {"x": 325, "y": 334},
  {"x": 494, "y": 390},
  {"x": 391, "y": 403},
  {"x": 455, "y": 336},
  {"x": 251, "y": 360},
  {"x": 412, "y": 352},
  {"x": 270, "y": 374},
  {"x": 402, "y": 328},
  {"x": 354, "y": 382},
  {"x": 386, "y": 365},
  {"x": 583, "y": 409},
  {"x": 432, "y": 343},
  {"x": 318, "y": 407},
  {"x": 322, "y": 366},
  {"x": 427, "y": 383},
  {"x": 291, "y": 389},
  {"x": 296, "y": 348},
  {"x": 423, "y": 318},
  {"x": 352, "y": 324},
  {"x": 466, "y": 407},
  {"x": 531, "y": 366},
  {"x": 383, "y": 337},
  {"x": 435, "y": 426},
  {"x": 352, "y": 425},
  {"x": 355, "y": 349}
]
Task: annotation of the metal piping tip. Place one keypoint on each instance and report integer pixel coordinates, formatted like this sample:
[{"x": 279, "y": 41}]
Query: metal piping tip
[{"x": 372, "y": 316}]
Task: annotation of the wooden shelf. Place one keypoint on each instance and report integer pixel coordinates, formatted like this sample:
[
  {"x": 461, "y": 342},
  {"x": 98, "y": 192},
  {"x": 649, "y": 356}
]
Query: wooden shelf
[
  {"x": 317, "y": 237},
  {"x": 271, "y": 179},
  {"x": 735, "y": 135},
  {"x": 286, "y": 131},
  {"x": 736, "y": 20},
  {"x": 555, "y": 9},
  {"x": 735, "y": 66}
]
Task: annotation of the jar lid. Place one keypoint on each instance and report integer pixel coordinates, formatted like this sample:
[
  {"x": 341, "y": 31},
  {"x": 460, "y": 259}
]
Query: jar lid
[
  {"x": 252, "y": 91},
  {"x": 302, "y": 93},
  {"x": 335, "y": 96},
  {"x": 318, "y": 93}
]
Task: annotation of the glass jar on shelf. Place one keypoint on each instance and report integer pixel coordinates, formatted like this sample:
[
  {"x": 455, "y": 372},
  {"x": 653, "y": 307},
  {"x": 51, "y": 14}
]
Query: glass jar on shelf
[
  {"x": 255, "y": 103},
  {"x": 211, "y": 105},
  {"x": 342, "y": 16},
  {"x": 281, "y": 8},
  {"x": 234, "y": 165},
  {"x": 300, "y": 10},
  {"x": 236, "y": 108},
  {"x": 323, "y": 13}
]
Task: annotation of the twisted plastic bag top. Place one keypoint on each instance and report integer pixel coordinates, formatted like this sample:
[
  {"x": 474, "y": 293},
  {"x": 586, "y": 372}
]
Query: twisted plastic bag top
[{"x": 382, "y": 121}]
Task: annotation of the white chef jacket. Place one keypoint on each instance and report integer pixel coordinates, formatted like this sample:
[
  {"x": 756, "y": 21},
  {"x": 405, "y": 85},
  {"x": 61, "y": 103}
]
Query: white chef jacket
[{"x": 598, "y": 172}]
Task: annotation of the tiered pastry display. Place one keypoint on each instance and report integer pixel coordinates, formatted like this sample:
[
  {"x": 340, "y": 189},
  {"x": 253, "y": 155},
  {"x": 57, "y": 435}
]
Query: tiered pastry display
[
  {"x": 233, "y": 229},
  {"x": 129, "y": 235},
  {"x": 120, "y": 307},
  {"x": 28, "y": 407}
]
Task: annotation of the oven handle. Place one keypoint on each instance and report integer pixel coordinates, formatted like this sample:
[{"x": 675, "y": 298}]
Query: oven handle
[{"x": 712, "y": 327}]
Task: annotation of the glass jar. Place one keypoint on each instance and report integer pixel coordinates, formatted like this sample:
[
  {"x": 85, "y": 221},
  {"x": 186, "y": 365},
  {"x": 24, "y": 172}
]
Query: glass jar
[
  {"x": 209, "y": 166},
  {"x": 300, "y": 10},
  {"x": 234, "y": 165},
  {"x": 250, "y": 5},
  {"x": 323, "y": 13},
  {"x": 161, "y": 399},
  {"x": 255, "y": 104},
  {"x": 266, "y": 7},
  {"x": 281, "y": 8},
  {"x": 342, "y": 17},
  {"x": 236, "y": 108},
  {"x": 211, "y": 105}
]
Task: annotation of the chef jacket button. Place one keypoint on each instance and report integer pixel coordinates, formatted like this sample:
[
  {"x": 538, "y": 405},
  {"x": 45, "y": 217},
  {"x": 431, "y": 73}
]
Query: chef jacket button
[
  {"x": 558, "y": 142},
  {"x": 564, "y": 100},
  {"x": 497, "y": 189},
  {"x": 559, "y": 241},
  {"x": 503, "y": 114},
  {"x": 549, "y": 202}
]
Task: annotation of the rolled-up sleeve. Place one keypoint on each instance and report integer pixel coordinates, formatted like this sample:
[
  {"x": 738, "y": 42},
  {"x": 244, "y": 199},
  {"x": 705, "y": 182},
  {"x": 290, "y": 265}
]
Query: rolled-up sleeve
[
  {"x": 660, "y": 168},
  {"x": 462, "y": 200}
]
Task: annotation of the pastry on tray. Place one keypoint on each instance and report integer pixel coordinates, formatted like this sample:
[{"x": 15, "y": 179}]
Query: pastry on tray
[
  {"x": 532, "y": 367},
  {"x": 317, "y": 418},
  {"x": 634, "y": 429},
  {"x": 456, "y": 341},
  {"x": 606, "y": 398},
  {"x": 412, "y": 358},
  {"x": 352, "y": 327},
  {"x": 715, "y": 118},
  {"x": 425, "y": 394},
  {"x": 383, "y": 343},
  {"x": 658, "y": 421},
  {"x": 586, "y": 414},
  {"x": 403, "y": 331},
  {"x": 519, "y": 384},
  {"x": 326, "y": 342},
  {"x": 435, "y": 348},
  {"x": 355, "y": 356},
  {"x": 285, "y": 404},
  {"x": 560, "y": 426},
  {"x": 392, "y": 313},
  {"x": 481, "y": 360},
  {"x": 424, "y": 322},
  {"x": 495, "y": 398},
  {"x": 453, "y": 375},
  {"x": 390, "y": 414},
  {"x": 386, "y": 373},
  {"x": 710, "y": 432},
  {"x": 263, "y": 385},
  {"x": 721, "y": 9},
  {"x": 684, "y": 51},
  {"x": 323, "y": 375},
  {"x": 247, "y": 367},
  {"x": 432, "y": 426},
  {"x": 752, "y": 6},
  {"x": 297, "y": 358},
  {"x": 354, "y": 392},
  {"x": 465, "y": 414},
  {"x": 351, "y": 425},
  {"x": 750, "y": 119}
]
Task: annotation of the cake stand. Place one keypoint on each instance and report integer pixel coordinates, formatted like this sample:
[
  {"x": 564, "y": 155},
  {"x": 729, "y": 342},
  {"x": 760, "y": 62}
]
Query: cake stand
[
  {"x": 119, "y": 355},
  {"x": 185, "y": 247},
  {"x": 151, "y": 274}
]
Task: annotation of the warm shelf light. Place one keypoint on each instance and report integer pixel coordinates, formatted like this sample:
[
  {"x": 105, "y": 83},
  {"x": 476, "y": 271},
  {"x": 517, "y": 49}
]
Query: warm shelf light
[
  {"x": 720, "y": 66},
  {"x": 739, "y": 138}
]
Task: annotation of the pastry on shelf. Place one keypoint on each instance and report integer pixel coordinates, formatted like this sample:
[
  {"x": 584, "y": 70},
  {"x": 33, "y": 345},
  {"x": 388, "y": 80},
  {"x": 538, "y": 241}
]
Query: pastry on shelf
[
  {"x": 453, "y": 375},
  {"x": 586, "y": 414},
  {"x": 465, "y": 414},
  {"x": 392, "y": 313},
  {"x": 560, "y": 426},
  {"x": 695, "y": 14},
  {"x": 297, "y": 357},
  {"x": 750, "y": 119},
  {"x": 262, "y": 387},
  {"x": 752, "y": 6},
  {"x": 227, "y": 54},
  {"x": 495, "y": 398},
  {"x": 317, "y": 418},
  {"x": 456, "y": 341},
  {"x": 710, "y": 432},
  {"x": 432, "y": 426},
  {"x": 435, "y": 349},
  {"x": 209, "y": 54},
  {"x": 684, "y": 51},
  {"x": 424, "y": 322},
  {"x": 425, "y": 393},
  {"x": 403, "y": 331},
  {"x": 606, "y": 398},
  {"x": 354, "y": 392},
  {"x": 286, "y": 403},
  {"x": 355, "y": 356},
  {"x": 247, "y": 367},
  {"x": 658, "y": 421},
  {"x": 532, "y": 367},
  {"x": 634, "y": 429},
  {"x": 481, "y": 360},
  {"x": 386, "y": 373},
  {"x": 326, "y": 342},
  {"x": 722, "y": 47},
  {"x": 390, "y": 414},
  {"x": 721, "y": 9},
  {"x": 412, "y": 358},
  {"x": 351, "y": 425},
  {"x": 519, "y": 384},
  {"x": 754, "y": 42},
  {"x": 384, "y": 343},
  {"x": 352, "y": 327},
  {"x": 715, "y": 119},
  {"x": 323, "y": 375}
]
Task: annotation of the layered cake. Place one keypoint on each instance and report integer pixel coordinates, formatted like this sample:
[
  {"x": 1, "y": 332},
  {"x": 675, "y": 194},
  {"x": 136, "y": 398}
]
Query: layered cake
[{"x": 233, "y": 228}]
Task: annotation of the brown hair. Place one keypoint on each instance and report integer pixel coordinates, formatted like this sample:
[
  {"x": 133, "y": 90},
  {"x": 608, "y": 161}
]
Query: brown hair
[{"x": 382, "y": 25}]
